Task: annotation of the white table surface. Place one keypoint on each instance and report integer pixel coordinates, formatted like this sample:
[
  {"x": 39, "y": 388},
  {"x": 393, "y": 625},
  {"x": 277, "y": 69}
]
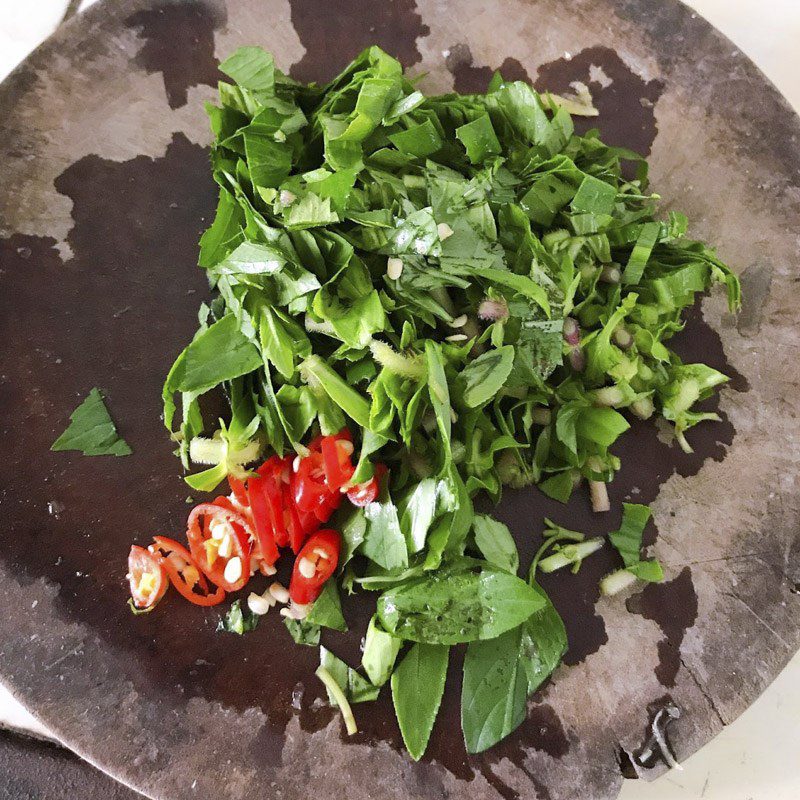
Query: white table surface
[{"x": 756, "y": 757}]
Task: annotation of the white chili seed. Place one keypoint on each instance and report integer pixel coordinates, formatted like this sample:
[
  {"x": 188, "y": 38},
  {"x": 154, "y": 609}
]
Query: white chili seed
[
  {"x": 306, "y": 567},
  {"x": 279, "y": 592},
  {"x": 318, "y": 551},
  {"x": 258, "y": 604},
  {"x": 394, "y": 268},
  {"x": 233, "y": 570},
  {"x": 444, "y": 230},
  {"x": 226, "y": 547}
]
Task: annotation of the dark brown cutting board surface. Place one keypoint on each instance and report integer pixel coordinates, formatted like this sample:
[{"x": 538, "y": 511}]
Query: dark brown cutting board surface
[{"x": 106, "y": 189}]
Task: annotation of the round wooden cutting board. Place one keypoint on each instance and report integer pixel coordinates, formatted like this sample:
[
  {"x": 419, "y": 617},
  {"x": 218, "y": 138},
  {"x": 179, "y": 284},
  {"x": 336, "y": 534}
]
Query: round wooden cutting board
[{"x": 105, "y": 190}]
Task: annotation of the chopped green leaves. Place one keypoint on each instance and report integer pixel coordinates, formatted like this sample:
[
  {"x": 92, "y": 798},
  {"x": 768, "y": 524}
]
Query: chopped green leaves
[
  {"x": 481, "y": 297},
  {"x": 628, "y": 543},
  {"x": 91, "y": 430},
  {"x": 238, "y": 620},
  {"x": 485, "y": 376}
]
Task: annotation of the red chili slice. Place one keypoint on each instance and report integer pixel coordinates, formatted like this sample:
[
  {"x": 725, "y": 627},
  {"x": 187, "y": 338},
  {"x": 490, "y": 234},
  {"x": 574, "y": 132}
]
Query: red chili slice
[
  {"x": 199, "y": 533},
  {"x": 362, "y": 494},
  {"x": 321, "y": 550},
  {"x": 263, "y": 518},
  {"x": 184, "y": 574},
  {"x": 238, "y": 489},
  {"x": 336, "y": 462},
  {"x": 299, "y": 524},
  {"x": 315, "y": 445},
  {"x": 309, "y": 489},
  {"x": 147, "y": 577}
]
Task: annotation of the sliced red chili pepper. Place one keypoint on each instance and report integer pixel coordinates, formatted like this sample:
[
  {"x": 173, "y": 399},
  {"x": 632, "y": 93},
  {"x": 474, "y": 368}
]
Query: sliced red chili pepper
[
  {"x": 336, "y": 462},
  {"x": 263, "y": 518},
  {"x": 278, "y": 468},
  {"x": 238, "y": 489},
  {"x": 199, "y": 532},
  {"x": 184, "y": 574},
  {"x": 299, "y": 524},
  {"x": 321, "y": 550},
  {"x": 146, "y": 576},
  {"x": 362, "y": 494},
  {"x": 315, "y": 445},
  {"x": 309, "y": 489},
  {"x": 225, "y": 502}
]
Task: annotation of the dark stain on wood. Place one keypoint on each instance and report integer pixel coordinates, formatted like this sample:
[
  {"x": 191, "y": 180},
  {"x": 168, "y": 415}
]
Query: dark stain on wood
[
  {"x": 673, "y": 607},
  {"x": 179, "y": 43},
  {"x": 333, "y": 37},
  {"x": 624, "y": 99},
  {"x": 469, "y": 79}
]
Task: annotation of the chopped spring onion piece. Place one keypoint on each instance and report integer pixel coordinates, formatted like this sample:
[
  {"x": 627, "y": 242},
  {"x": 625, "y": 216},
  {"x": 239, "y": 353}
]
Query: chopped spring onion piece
[
  {"x": 570, "y": 554},
  {"x": 608, "y": 396},
  {"x": 644, "y": 408},
  {"x": 617, "y": 582},
  {"x": 215, "y": 450},
  {"x": 341, "y": 700},
  {"x": 599, "y": 495}
]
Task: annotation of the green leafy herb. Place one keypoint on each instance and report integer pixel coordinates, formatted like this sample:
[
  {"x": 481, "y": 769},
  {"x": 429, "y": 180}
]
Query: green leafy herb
[
  {"x": 495, "y": 542},
  {"x": 482, "y": 297},
  {"x": 303, "y": 631},
  {"x": 356, "y": 688},
  {"x": 380, "y": 652},
  {"x": 417, "y": 689},
  {"x": 238, "y": 620},
  {"x": 494, "y": 691},
  {"x": 327, "y": 609},
  {"x": 92, "y": 431},
  {"x": 628, "y": 543},
  {"x": 457, "y": 604}
]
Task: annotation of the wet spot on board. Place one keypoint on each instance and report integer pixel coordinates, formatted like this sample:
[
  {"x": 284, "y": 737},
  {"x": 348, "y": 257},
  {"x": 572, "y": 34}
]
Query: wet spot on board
[
  {"x": 673, "y": 607},
  {"x": 469, "y": 79},
  {"x": 756, "y": 284},
  {"x": 624, "y": 99},
  {"x": 179, "y": 43},
  {"x": 333, "y": 38}
]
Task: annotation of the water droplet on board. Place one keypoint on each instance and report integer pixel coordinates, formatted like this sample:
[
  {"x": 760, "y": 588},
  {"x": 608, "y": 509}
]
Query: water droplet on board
[{"x": 54, "y": 508}]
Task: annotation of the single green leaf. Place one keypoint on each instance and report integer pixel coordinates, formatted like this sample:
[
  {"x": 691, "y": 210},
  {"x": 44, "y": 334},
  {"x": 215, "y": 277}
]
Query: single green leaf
[
  {"x": 628, "y": 539},
  {"x": 220, "y": 353},
  {"x": 92, "y": 431},
  {"x": 327, "y": 609},
  {"x": 380, "y": 653},
  {"x": 495, "y": 542},
  {"x": 484, "y": 377},
  {"x": 252, "y": 68},
  {"x": 594, "y": 197},
  {"x": 303, "y": 632},
  {"x": 479, "y": 139},
  {"x": 419, "y": 510},
  {"x": 494, "y": 691},
  {"x": 456, "y": 604},
  {"x": 417, "y": 690}
]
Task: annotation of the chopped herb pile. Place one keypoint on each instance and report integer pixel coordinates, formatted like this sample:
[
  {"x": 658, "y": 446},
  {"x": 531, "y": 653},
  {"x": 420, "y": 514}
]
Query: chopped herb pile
[
  {"x": 91, "y": 430},
  {"x": 483, "y": 298}
]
